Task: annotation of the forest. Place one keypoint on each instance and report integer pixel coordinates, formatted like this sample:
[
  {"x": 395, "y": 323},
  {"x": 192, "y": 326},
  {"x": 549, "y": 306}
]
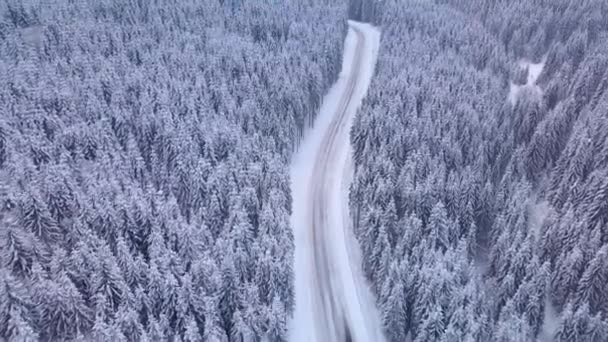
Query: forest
[
  {"x": 145, "y": 150},
  {"x": 143, "y": 174},
  {"x": 480, "y": 195}
]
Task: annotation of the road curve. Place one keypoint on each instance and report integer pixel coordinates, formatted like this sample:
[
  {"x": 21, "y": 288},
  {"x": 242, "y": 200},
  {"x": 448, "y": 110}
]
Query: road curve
[{"x": 328, "y": 303}]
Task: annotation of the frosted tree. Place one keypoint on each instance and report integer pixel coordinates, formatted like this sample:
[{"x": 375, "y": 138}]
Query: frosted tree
[
  {"x": 16, "y": 310},
  {"x": 591, "y": 285},
  {"x": 62, "y": 309},
  {"x": 489, "y": 164}
]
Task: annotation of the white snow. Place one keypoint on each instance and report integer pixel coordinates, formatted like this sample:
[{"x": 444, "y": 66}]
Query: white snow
[
  {"x": 537, "y": 214},
  {"x": 349, "y": 287},
  {"x": 534, "y": 71},
  {"x": 551, "y": 322}
]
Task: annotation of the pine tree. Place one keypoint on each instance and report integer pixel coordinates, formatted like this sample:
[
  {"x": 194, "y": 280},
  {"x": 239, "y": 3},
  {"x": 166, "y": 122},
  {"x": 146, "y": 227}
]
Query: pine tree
[
  {"x": 36, "y": 218},
  {"x": 566, "y": 276},
  {"x": 567, "y": 331},
  {"x": 394, "y": 308},
  {"x": 591, "y": 285},
  {"x": 277, "y": 321},
  {"x": 16, "y": 309},
  {"x": 18, "y": 249},
  {"x": 128, "y": 321},
  {"x": 191, "y": 334},
  {"x": 18, "y": 329},
  {"x": 439, "y": 227},
  {"x": 432, "y": 327},
  {"x": 62, "y": 310}
]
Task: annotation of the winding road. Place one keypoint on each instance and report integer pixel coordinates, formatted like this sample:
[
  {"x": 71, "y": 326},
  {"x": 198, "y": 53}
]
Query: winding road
[
  {"x": 334, "y": 323},
  {"x": 327, "y": 302},
  {"x": 333, "y": 300}
]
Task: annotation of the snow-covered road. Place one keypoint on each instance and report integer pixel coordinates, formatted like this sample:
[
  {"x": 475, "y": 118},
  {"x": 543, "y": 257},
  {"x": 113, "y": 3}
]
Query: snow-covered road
[{"x": 333, "y": 302}]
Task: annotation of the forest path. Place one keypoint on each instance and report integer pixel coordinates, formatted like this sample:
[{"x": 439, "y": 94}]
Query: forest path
[{"x": 333, "y": 302}]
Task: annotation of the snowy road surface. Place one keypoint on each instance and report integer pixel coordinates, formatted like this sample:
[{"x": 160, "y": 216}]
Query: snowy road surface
[{"x": 333, "y": 302}]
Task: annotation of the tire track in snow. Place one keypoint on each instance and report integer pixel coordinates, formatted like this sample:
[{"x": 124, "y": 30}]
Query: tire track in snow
[
  {"x": 328, "y": 281},
  {"x": 328, "y": 305}
]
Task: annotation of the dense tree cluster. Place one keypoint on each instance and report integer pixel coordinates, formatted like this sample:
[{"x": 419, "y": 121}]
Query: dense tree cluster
[
  {"x": 482, "y": 219},
  {"x": 143, "y": 164}
]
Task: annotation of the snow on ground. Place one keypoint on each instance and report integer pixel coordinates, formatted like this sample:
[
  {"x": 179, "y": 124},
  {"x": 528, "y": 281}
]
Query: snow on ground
[
  {"x": 537, "y": 214},
  {"x": 357, "y": 303},
  {"x": 303, "y": 327},
  {"x": 534, "y": 71},
  {"x": 364, "y": 323},
  {"x": 551, "y": 322}
]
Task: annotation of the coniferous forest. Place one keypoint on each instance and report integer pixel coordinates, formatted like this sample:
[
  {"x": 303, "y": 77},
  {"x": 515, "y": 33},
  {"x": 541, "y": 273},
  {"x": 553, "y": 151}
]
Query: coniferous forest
[
  {"x": 480, "y": 195},
  {"x": 145, "y": 150}
]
